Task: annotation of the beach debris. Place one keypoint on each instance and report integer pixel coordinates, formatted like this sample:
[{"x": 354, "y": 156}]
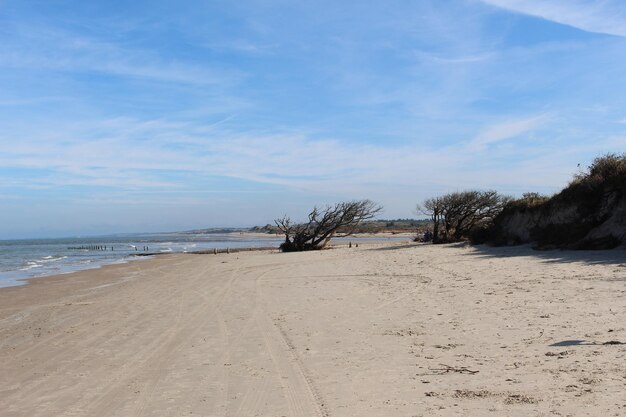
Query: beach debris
[
  {"x": 531, "y": 339},
  {"x": 447, "y": 369},
  {"x": 465, "y": 393},
  {"x": 614, "y": 342},
  {"x": 402, "y": 332},
  {"x": 446, "y": 347},
  {"x": 559, "y": 354},
  {"x": 520, "y": 399}
]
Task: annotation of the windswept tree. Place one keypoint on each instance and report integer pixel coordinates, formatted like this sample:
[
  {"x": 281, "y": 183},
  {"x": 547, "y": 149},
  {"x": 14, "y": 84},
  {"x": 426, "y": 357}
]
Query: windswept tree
[
  {"x": 433, "y": 207},
  {"x": 455, "y": 215},
  {"x": 342, "y": 219}
]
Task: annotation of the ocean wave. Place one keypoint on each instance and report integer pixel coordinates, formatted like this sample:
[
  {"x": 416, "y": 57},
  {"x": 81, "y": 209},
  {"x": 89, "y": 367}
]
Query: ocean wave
[
  {"x": 52, "y": 258},
  {"x": 31, "y": 265}
]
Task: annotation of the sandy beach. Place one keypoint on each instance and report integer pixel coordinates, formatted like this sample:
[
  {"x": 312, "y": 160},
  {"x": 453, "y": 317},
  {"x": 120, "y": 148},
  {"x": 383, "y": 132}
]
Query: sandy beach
[{"x": 388, "y": 329}]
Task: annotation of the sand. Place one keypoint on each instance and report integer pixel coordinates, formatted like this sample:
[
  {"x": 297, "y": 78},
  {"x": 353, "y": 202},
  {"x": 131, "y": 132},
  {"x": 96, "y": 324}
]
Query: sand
[{"x": 380, "y": 330}]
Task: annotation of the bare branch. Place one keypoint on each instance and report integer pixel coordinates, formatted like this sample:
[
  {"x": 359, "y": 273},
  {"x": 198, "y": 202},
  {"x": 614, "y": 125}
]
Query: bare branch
[{"x": 324, "y": 224}]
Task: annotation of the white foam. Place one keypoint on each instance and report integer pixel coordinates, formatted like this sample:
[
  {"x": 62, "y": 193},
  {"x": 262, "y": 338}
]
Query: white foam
[
  {"x": 52, "y": 258},
  {"x": 31, "y": 265}
]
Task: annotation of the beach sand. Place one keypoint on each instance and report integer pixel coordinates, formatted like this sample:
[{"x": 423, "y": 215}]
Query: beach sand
[{"x": 381, "y": 330}]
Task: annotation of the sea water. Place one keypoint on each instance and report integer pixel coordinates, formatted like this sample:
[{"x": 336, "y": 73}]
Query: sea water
[{"x": 20, "y": 259}]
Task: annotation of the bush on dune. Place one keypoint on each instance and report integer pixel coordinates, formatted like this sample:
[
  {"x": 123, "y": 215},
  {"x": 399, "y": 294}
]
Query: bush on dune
[{"x": 569, "y": 218}]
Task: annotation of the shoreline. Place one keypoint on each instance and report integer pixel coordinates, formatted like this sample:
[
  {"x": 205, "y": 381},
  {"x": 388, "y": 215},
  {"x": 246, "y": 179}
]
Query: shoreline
[
  {"x": 24, "y": 281},
  {"x": 22, "y": 277},
  {"x": 38, "y": 258}
]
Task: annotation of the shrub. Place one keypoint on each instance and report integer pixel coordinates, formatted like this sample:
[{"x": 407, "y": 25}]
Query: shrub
[
  {"x": 456, "y": 215},
  {"x": 589, "y": 199}
]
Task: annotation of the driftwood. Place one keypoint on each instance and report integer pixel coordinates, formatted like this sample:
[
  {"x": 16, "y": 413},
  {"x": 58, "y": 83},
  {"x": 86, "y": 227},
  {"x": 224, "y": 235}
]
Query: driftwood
[{"x": 447, "y": 369}]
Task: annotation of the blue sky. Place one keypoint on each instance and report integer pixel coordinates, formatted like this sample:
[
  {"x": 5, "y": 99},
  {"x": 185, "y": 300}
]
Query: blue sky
[{"x": 135, "y": 116}]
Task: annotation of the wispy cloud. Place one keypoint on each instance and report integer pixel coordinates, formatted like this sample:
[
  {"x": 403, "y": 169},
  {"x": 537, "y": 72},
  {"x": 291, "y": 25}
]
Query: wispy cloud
[
  {"x": 60, "y": 50},
  {"x": 506, "y": 131},
  {"x": 33, "y": 101},
  {"x": 116, "y": 158},
  {"x": 608, "y": 16}
]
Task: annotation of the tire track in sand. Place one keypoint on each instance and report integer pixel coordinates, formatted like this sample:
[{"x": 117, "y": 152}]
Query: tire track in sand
[{"x": 303, "y": 398}]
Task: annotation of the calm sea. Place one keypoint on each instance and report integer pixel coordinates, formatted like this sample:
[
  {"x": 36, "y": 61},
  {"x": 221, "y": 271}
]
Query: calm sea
[{"x": 21, "y": 259}]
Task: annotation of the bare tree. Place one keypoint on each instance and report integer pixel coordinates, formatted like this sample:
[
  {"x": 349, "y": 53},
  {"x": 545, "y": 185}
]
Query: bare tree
[
  {"x": 455, "y": 215},
  {"x": 324, "y": 224}
]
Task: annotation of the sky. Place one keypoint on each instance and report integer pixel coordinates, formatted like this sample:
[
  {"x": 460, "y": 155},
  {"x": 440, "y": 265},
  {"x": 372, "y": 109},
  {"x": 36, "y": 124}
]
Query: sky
[{"x": 161, "y": 115}]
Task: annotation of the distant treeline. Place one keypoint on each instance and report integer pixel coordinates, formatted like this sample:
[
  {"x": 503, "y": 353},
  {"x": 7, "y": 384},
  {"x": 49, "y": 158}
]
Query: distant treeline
[{"x": 369, "y": 226}]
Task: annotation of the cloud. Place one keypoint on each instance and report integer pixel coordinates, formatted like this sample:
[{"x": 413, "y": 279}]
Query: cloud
[
  {"x": 608, "y": 16},
  {"x": 505, "y": 131},
  {"x": 174, "y": 156},
  {"x": 60, "y": 50},
  {"x": 460, "y": 59}
]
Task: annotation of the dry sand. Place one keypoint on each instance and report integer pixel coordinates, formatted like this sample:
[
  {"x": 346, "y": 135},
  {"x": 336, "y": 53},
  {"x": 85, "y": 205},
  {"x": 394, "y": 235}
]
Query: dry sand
[{"x": 379, "y": 330}]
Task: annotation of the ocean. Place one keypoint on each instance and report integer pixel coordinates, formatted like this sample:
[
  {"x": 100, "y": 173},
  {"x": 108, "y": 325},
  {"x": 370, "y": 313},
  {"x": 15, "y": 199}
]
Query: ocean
[{"x": 20, "y": 259}]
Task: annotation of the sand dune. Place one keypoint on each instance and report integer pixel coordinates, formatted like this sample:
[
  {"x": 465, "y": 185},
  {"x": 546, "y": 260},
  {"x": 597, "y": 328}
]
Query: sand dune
[{"x": 380, "y": 330}]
